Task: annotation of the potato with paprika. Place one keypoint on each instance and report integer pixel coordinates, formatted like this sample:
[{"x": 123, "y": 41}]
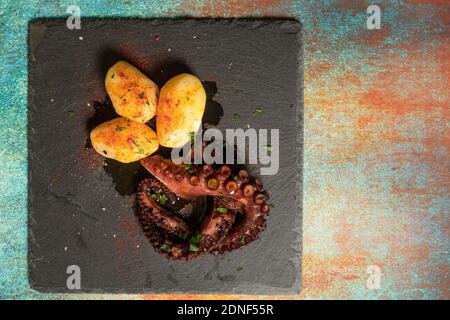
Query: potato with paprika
[
  {"x": 124, "y": 140},
  {"x": 133, "y": 95},
  {"x": 180, "y": 110}
]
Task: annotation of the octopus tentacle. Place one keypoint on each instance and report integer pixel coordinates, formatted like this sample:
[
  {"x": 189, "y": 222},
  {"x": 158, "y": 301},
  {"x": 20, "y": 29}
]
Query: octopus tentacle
[
  {"x": 174, "y": 235},
  {"x": 246, "y": 231},
  {"x": 216, "y": 225},
  {"x": 163, "y": 242},
  {"x": 160, "y": 217},
  {"x": 222, "y": 229}
]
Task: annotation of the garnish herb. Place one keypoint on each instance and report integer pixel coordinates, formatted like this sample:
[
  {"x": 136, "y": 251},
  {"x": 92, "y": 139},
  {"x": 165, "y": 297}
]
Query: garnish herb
[
  {"x": 183, "y": 236},
  {"x": 222, "y": 210},
  {"x": 134, "y": 142},
  {"x": 258, "y": 112},
  {"x": 190, "y": 168},
  {"x": 141, "y": 95},
  {"x": 165, "y": 247},
  {"x": 212, "y": 184},
  {"x": 141, "y": 151},
  {"x": 242, "y": 239},
  {"x": 239, "y": 269},
  {"x": 268, "y": 148},
  {"x": 120, "y": 129},
  {"x": 163, "y": 198},
  {"x": 236, "y": 117},
  {"x": 272, "y": 205},
  {"x": 193, "y": 247},
  {"x": 71, "y": 113},
  {"x": 154, "y": 196},
  {"x": 112, "y": 76},
  {"x": 195, "y": 239},
  {"x": 192, "y": 136}
]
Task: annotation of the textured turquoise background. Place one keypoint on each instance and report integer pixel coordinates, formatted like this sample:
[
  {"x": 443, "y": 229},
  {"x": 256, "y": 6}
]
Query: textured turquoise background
[{"x": 376, "y": 141}]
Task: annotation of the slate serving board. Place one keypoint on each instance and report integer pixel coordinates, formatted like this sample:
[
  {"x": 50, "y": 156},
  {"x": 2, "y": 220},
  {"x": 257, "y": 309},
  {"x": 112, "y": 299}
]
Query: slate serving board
[{"x": 80, "y": 206}]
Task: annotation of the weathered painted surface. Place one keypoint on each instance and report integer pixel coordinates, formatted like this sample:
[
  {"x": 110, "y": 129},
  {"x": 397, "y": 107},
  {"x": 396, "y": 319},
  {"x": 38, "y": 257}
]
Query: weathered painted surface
[{"x": 376, "y": 141}]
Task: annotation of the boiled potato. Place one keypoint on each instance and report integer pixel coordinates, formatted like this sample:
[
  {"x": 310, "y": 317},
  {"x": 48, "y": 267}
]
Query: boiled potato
[
  {"x": 124, "y": 140},
  {"x": 180, "y": 110},
  {"x": 134, "y": 96}
]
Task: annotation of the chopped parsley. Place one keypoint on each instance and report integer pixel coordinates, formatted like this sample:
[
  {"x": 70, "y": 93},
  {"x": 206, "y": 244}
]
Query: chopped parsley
[
  {"x": 192, "y": 136},
  {"x": 154, "y": 196},
  {"x": 242, "y": 239},
  {"x": 222, "y": 210},
  {"x": 236, "y": 117},
  {"x": 112, "y": 77},
  {"x": 272, "y": 205},
  {"x": 190, "y": 168},
  {"x": 213, "y": 184},
  {"x": 147, "y": 103},
  {"x": 239, "y": 269},
  {"x": 141, "y": 151},
  {"x": 258, "y": 112},
  {"x": 165, "y": 247},
  {"x": 163, "y": 198},
  {"x": 261, "y": 197},
  {"x": 141, "y": 95},
  {"x": 71, "y": 114},
  {"x": 268, "y": 148},
  {"x": 134, "y": 142},
  {"x": 195, "y": 239},
  {"x": 183, "y": 235},
  {"x": 193, "y": 247},
  {"x": 120, "y": 129}
]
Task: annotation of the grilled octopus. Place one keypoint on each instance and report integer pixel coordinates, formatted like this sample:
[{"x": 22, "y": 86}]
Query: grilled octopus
[{"x": 235, "y": 218}]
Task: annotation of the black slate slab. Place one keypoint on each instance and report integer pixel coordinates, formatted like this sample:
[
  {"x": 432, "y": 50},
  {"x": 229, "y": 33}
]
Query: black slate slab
[{"x": 80, "y": 211}]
